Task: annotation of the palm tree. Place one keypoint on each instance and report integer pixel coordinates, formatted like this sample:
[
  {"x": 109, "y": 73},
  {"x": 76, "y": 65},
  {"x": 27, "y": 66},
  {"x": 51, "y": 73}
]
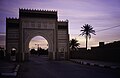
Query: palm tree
[
  {"x": 87, "y": 30},
  {"x": 74, "y": 44}
]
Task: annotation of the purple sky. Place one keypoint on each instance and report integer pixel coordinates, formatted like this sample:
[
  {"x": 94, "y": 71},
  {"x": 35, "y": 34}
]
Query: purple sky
[
  {"x": 101, "y": 14},
  {"x": 39, "y": 40}
]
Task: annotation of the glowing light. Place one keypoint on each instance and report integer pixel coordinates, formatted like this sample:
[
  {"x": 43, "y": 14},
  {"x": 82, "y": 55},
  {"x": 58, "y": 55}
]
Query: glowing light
[{"x": 38, "y": 41}]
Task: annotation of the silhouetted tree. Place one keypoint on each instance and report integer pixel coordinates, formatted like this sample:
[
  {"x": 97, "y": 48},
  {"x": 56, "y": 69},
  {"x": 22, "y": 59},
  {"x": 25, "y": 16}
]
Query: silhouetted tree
[
  {"x": 74, "y": 44},
  {"x": 42, "y": 51},
  {"x": 32, "y": 51},
  {"x": 87, "y": 30}
]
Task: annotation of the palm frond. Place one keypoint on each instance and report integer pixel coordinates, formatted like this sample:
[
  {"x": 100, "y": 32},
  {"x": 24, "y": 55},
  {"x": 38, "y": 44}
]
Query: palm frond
[{"x": 86, "y": 31}]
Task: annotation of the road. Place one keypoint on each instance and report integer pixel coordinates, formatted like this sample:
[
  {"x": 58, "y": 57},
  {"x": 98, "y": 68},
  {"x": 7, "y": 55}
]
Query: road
[{"x": 40, "y": 67}]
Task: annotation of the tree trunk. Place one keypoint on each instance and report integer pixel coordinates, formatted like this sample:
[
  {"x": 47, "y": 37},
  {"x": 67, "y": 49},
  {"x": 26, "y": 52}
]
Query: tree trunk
[{"x": 86, "y": 41}]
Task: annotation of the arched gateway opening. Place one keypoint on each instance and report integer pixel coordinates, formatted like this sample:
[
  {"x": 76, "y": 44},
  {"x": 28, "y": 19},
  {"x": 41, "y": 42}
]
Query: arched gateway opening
[
  {"x": 38, "y": 45},
  {"x": 30, "y": 33},
  {"x": 31, "y": 23}
]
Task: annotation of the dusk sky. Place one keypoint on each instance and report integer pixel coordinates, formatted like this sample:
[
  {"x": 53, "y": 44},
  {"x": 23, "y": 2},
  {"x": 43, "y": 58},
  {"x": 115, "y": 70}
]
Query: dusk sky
[{"x": 101, "y": 14}]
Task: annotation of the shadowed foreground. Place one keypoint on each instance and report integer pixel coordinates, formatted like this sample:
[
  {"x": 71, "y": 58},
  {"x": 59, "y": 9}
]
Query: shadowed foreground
[{"x": 39, "y": 67}]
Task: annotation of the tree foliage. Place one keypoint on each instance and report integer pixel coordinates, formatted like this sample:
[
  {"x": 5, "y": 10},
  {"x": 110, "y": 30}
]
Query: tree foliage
[
  {"x": 86, "y": 31},
  {"x": 74, "y": 44}
]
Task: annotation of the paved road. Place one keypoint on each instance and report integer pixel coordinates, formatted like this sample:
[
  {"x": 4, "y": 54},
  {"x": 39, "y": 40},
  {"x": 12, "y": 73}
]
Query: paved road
[{"x": 40, "y": 67}]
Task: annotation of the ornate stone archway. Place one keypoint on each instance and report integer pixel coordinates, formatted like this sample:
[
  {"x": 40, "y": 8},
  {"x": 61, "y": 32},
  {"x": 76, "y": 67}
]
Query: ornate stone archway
[
  {"x": 29, "y": 34},
  {"x": 46, "y": 36},
  {"x": 32, "y": 23}
]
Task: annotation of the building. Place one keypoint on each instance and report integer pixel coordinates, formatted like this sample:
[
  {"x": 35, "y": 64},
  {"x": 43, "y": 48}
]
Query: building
[{"x": 31, "y": 23}]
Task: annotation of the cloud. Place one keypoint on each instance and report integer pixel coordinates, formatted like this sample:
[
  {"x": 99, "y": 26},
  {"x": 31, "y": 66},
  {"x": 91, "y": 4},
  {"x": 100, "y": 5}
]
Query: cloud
[
  {"x": 38, "y": 40},
  {"x": 98, "y": 13}
]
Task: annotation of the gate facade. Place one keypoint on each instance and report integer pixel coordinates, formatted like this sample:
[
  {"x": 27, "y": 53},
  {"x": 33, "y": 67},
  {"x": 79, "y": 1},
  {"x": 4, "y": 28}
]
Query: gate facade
[{"x": 31, "y": 23}]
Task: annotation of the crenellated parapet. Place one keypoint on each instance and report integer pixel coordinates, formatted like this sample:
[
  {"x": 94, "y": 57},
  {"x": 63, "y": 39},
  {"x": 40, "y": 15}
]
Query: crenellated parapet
[
  {"x": 62, "y": 21},
  {"x": 12, "y": 22},
  {"x": 12, "y": 18},
  {"x": 63, "y": 24},
  {"x": 36, "y": 13},
  {"x": 36, "y": 10}
]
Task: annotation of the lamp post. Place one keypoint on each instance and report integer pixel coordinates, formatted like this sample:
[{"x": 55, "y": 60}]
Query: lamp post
[
  {"x": 38, "y": 50},
  {"x": 37, "y": 45}
]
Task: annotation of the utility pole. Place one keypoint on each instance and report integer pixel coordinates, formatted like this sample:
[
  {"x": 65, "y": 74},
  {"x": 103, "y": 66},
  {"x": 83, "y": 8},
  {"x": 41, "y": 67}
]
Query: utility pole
[{"x": 37, "y": 46}]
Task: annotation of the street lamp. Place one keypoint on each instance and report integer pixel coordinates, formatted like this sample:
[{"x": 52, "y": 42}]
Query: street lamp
[{"x": 37, "y": 45}]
